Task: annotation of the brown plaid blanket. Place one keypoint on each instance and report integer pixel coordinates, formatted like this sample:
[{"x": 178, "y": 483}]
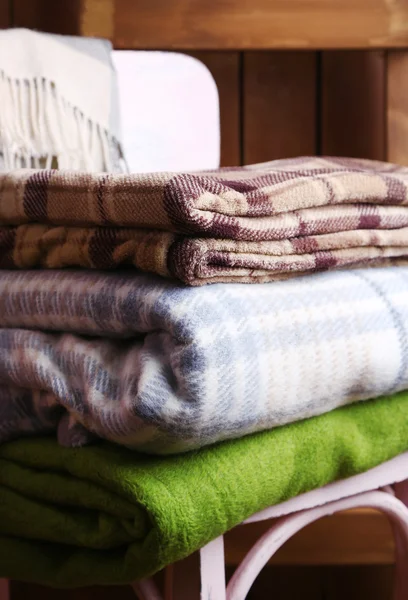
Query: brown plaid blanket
[{"x": 255, "y": 223}]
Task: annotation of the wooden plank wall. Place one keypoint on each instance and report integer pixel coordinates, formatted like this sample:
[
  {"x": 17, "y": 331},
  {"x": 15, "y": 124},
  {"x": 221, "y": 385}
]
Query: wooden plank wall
[
  {"x": 283, "y": 104},
  {"x": 279, "y": 105},
  {"x": 353, "y": 104},
  {"x": 273, "y": 104}
]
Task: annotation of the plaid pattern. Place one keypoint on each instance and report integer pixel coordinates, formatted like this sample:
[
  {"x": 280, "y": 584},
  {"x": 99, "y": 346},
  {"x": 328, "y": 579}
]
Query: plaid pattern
[
  {"x": 255, "y": 223},
  {"x": 163, "y": 368}
]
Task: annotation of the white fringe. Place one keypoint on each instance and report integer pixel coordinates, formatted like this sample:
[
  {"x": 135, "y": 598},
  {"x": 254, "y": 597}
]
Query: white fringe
[{"x": 40, "y": 129}]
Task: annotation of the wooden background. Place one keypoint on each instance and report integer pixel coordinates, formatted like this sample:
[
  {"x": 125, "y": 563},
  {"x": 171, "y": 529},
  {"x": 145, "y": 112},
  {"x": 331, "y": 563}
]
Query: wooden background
[
  {"x": 274, "y": 103},
  {"x": 294, "y": 77}
]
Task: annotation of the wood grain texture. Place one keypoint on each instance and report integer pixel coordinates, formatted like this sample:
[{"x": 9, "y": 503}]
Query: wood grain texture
[
  {"x": 397, "y": 107},
  {"x": 225, "y": 68},
  {"x": 353, "y": 104},
  {"x": 258, "y": 24},
  {"x": 356, "y": 537},
  {"x": 279, "y": 105}
]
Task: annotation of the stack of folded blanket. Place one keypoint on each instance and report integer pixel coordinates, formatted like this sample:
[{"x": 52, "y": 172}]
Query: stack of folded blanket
[{"x": 102, "y": 341}]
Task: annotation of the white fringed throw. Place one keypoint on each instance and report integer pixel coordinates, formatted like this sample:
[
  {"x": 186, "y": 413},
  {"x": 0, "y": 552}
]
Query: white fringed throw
[{"x": 59, "y": 105}]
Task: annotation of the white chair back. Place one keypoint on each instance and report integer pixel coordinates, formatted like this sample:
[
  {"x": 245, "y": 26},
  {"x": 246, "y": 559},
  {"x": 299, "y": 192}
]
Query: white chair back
[{"x": 169, "y": 111}]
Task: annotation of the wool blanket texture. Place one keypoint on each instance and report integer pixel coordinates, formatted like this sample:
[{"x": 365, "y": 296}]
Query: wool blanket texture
[
  {"x": 104, "y": 515},
  {"x": 165, "y": 368},
  {"x": 249, "y": 224},
  {"x": 59, "y": 102}
]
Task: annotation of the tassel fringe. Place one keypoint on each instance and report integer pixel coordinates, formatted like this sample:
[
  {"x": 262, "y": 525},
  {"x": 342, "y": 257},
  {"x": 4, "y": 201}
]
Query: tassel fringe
[{"x": 40, "y": 129}]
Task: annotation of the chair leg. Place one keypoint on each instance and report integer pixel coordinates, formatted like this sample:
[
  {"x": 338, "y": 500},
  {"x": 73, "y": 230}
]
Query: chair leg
[
  {"x": 193, "y": 579},
  {"x": 212, "y": 570},
  {"x": 286, "y": 527}
]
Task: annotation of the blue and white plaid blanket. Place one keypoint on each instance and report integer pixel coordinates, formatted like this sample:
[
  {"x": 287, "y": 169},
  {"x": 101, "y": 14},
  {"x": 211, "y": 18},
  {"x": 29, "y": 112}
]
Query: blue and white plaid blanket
[{"x": 152, "y": 365}]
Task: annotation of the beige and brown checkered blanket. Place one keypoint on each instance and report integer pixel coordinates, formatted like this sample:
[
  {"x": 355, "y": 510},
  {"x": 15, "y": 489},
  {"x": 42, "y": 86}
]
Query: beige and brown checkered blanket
[{"x": 249, "y": 224}]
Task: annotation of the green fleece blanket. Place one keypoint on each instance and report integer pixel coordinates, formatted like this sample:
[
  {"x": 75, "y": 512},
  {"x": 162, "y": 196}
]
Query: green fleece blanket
[{"x": 104, "y": 515}]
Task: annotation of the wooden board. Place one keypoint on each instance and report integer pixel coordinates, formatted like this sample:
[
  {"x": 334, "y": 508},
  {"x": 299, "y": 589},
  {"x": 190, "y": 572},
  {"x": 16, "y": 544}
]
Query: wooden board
[
  {"x": 356, "y": 537},
  {"x": 225, "y": 24},
  {"x": 248, "y": 24},
  {"x": 397, "y": 107},
  {"x": 226, "y": 70},
  {"x": 54, "y": 16},
  {"x": 70, "y": 17},
  {"x": 353, "y": 104},
  {"x": 279, "y": 103}
]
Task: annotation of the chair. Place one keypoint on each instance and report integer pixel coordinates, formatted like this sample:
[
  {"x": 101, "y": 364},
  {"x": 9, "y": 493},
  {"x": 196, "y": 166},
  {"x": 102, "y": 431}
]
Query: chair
[
  {"x": 384, "y": 488},
  {"x": 168, "y": 101}
]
